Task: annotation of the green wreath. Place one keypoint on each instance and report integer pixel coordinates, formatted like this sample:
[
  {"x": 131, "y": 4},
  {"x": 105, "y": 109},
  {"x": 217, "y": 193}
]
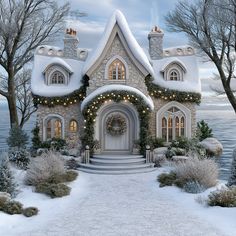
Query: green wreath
[{"x": 116, "y": 125}]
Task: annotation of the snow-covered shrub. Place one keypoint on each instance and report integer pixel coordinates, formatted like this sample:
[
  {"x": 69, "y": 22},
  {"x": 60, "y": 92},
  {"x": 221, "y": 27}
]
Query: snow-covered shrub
[
  {"x": 54, "y": 144},
  {"x": 166, "y": 179},
  {"x": 70, "y": 176},
  {"x": 17, "y": 137},
  {"x": 225, "y": 197},
  {"x": 53, "y": 190},
  {"x": 44, "y": 168},
  {"x": 3, "y": 201},
  {"x": 203, "y": 130},
  {"x": 30, "y": 211},
  {"x": 72, "y": 164},
  {"x": 7, "y": 183},
  {"x": 232, "y": 178},
  {"x": 203, "y": 171},
  {"x": 13, "y": 207},
  {"x": 193, "y": 187},
  {"x": 20, "y": 158}
]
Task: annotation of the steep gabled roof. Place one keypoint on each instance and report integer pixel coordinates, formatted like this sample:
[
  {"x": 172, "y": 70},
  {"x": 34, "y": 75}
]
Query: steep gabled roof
[{"x": 138, "y": 53}]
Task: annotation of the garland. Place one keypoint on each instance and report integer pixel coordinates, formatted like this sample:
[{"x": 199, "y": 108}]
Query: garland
[
  {"x": 72, "y": 98},
  {"x": 116, "y": 125},
  {"x": 169, "y": 94},
  {"x": 90, "y": 114}
]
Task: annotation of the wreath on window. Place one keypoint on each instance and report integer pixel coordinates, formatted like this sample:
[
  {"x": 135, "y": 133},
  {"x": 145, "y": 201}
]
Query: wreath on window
[{"x": 116, "y": 125}]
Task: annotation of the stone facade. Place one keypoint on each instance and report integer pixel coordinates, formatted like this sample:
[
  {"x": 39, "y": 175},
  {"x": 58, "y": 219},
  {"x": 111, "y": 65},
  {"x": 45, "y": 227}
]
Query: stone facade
[
  {"x": 71, "y": 112},
  {"x": 135, "y": 77},
  {"x": 70, "y": 46}
]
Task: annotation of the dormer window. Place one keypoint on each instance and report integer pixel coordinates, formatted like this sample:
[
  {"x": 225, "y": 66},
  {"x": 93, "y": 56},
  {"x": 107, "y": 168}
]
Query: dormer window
[
  {"x": 117, "y": 70},
  {"x": 57, "y": 78},
  {"x": 174, "y": 71},
  {"x": 174, "y": 75}
]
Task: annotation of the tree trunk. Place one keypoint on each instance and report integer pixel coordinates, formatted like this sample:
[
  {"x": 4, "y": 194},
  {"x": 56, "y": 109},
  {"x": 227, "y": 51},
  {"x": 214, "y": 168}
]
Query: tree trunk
[{"x": 12, "y": 100}]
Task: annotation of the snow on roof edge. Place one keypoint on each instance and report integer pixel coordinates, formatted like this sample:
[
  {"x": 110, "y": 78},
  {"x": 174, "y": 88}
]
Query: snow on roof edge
[{"x": 116, "y": 87}]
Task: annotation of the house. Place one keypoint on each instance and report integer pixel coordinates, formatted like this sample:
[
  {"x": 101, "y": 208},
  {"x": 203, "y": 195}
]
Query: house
[{"x": 116, "y": 94}]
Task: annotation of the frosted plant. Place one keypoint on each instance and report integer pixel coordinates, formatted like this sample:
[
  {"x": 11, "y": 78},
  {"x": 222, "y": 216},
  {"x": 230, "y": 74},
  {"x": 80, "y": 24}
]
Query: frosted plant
[
  {"x": 232, "y": 178},
  {"x": 7, "y": 183}
]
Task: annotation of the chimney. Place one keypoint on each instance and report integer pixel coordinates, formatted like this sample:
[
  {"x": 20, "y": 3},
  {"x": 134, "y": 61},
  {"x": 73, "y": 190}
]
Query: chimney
[
  {"x": 156, "y": 43},
  {"x": 71, "y": 43}
]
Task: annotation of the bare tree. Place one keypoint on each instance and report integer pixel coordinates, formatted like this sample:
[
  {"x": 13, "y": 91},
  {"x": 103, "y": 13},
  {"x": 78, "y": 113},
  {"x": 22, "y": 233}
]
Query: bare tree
[
  {"x": 24, "y": 104},
  {"x": 24, "y": 25},
  {"x": 211, "y": 27}
]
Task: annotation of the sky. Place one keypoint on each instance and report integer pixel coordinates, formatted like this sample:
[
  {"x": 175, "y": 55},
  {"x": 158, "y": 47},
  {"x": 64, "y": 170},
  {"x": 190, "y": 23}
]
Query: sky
[{"x": 141, "y": 16}]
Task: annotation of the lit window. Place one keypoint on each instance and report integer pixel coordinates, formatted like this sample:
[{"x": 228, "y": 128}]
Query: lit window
[
  {"x": 73, "y": 126},
  {"x": 117, "y": 70},
  {"x": 57, "y": 78},
  {"x": 54, "y": 128},
  {"x": 173, "y": 124}
]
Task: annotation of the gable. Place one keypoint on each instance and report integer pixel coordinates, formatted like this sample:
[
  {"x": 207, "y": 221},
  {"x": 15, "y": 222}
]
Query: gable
[{"x": 118, "y": 26}]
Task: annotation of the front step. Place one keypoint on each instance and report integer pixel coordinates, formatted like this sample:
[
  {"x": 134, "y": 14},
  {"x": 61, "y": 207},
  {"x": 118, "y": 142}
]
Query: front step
[
  {"x": 119, "y": 172},
  {"x": 116, "y": 164},
  {"x": 111, "y": 162}
]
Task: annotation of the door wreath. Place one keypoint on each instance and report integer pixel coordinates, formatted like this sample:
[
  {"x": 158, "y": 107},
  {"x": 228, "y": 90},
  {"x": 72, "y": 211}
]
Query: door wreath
[{"x": 116, "y": 125}]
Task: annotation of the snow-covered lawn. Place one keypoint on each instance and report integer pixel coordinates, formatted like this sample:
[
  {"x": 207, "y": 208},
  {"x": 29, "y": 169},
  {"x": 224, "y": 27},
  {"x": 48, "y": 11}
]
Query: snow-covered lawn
[{"x": 118, "y": 205}]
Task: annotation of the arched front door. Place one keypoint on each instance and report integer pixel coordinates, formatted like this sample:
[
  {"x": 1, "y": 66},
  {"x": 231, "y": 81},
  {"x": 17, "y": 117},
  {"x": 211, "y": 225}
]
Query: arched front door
[{"x": 118, "y": 128}]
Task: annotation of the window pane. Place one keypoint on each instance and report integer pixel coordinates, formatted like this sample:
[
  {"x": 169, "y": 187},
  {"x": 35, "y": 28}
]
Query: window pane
[
  {"x": 117, "y": 70},
  {"x": 182, "y": 126},
  {"x": 57, "y": 128},
  {"x": 170, "y": 129},
  {"x": 177, "y": 126},
  {"x": 49, "y": 130},
  {"x": 73, "y": 126}
]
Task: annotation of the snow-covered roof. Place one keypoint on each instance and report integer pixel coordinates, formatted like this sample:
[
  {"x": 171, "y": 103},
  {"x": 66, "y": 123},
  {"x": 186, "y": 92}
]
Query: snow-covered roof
[
  {"x": 191, "y": 81},
  {"x": 61, "y": 62},
  {"x": 172, "y": 60},
  {"x": 116, "y": 87},
  {"x": 38, "y": 85},
  {"x": 119, "y": 19}
]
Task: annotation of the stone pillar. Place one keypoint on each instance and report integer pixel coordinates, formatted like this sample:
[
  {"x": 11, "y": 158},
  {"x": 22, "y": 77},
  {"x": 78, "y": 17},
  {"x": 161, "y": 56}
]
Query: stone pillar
[
  {"x": 87, "y": 154},
  {"x": 156, "y": 43},
  {"x": 148, "y": 154},
  {"x": 71, "y": 43}
]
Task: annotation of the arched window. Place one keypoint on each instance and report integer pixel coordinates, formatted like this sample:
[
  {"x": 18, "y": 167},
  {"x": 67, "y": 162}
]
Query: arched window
[
  {"x": 54, "y": 128},
  {"x": 57, "y": 78},
  {"x": 175, "y": 127},
  {"x": 174, "y": 75},
  {"x": 73, "y": 126},
  {"x": 117, "y": 70}
]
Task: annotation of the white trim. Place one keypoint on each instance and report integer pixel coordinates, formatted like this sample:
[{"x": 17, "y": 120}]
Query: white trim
[
  {"x": 45, "y": 125},
  {"x": 182, "y": 108},
  {"x": 55, "y": 68},
  {"x": 111, "y": 61}
]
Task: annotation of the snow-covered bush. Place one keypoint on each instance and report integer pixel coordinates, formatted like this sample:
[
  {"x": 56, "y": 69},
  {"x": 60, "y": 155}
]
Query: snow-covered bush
[
  {"x": 203, "y": 130},
  {"x": 13, "y": 207},
  {"x": 203, "y": 171},
  {"x": 7, "y": 183},
  {"x": 30, "y": 211},
  {"x": 53, "y": 190},
  {"x": 71, "y": 164},
  {"x": 232, "y": 178},
  {"x": 225, "y": 197},
  {"x": 20, "y": 158},
  {"x": 44, "y": 168},
  {"x": 17, "y": 137},
  {"x": 193, "y": 187},
  {"x": 166, "y": 179},
  {"x": 70, "y": 176}
]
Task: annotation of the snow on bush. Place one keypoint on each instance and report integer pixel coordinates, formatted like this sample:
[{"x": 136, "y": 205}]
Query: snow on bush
[
  {"x": 20, "y": 158},
  {"x": 7, "y": 183},
  {"x": 203, "y": 171},
  {"x": 232, "y": 178},
  {"x": 193, "y": 187},
  {"x": 30, "y": 211},
  {"x": 45, "y": 167},
  {"x": 225, "y": 197}
]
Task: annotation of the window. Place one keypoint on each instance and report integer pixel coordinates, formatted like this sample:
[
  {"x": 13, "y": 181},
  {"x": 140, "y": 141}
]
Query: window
[
  {"x": 173, "y": 124},
  {"x": 73, "y": 126},
  {"x": 57, "y": 78},
  {"x": 174, "y": 75},
  {"x": 117, "y": 70},
  {"x": 54, "y": 128}
]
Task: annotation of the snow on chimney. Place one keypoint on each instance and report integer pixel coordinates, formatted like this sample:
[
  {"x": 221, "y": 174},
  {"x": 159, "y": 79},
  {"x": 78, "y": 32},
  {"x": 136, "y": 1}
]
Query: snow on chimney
[{"x": 71, "y": 43}]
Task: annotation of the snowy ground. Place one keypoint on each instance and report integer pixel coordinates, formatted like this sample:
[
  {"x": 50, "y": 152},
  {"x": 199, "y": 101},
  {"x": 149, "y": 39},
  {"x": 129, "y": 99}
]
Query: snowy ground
[{"x": 118, "y": 205}]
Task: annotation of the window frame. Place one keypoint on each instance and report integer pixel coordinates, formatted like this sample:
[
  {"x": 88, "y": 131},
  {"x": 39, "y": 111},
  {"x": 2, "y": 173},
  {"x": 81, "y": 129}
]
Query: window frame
[{"x": 75, "y": 128}]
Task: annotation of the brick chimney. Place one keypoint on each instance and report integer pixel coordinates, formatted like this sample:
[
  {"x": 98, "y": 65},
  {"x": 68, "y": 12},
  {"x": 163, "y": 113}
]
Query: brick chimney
[
  {"x": 71, "y": 43},
  {"x": 156, "y": 43}
]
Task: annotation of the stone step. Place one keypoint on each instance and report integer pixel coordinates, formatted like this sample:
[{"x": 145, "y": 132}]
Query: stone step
[
  {"x": 117, "y": 172},
  {"x": 117, "y": 157},
  {"x": 109, "y": 162},
  {"x": 115, "y": 167}
]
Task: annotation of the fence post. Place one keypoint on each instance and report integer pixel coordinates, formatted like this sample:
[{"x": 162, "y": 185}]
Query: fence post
[
  {"x": 148, "y": 154},
  {"x": 87, "y": 154}
]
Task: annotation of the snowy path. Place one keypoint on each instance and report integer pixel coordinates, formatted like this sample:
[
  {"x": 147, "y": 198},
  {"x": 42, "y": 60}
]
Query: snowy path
[{"x": 116, "y": 205}]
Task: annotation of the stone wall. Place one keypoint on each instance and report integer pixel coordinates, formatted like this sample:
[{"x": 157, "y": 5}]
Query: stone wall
[
  {"x": 68, "y": 113},
  {"x": 155, "y": 45},
  {"x": 135, "y": 77}
]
